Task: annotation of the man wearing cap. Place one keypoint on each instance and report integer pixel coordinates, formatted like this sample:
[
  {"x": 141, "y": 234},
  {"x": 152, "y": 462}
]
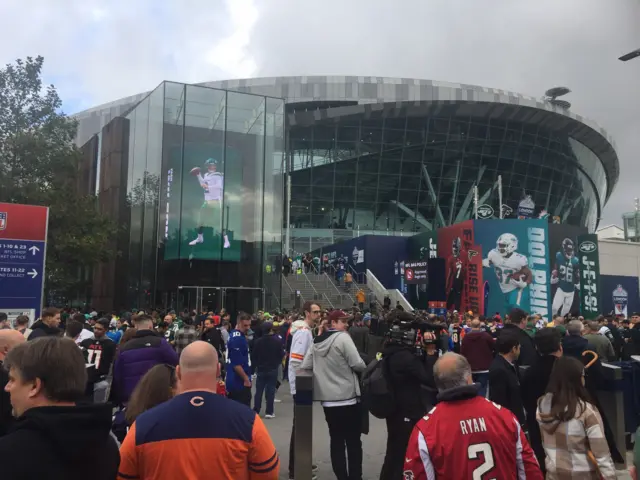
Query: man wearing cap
[{"x": 335, "y": 362}]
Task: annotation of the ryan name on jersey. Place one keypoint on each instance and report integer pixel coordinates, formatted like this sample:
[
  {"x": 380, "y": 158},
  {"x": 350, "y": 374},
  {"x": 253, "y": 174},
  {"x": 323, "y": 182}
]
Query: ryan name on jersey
[{"x": 473, "y": 425}]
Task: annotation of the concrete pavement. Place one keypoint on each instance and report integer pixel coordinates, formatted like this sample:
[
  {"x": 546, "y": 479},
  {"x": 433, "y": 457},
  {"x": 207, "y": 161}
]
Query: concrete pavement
[{"x": 373, "y": 444}]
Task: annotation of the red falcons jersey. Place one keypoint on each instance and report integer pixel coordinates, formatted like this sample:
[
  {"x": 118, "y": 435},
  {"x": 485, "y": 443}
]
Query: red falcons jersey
[
  {"x": 456, "y": 271},
  {"x": 469, "y": 439}
]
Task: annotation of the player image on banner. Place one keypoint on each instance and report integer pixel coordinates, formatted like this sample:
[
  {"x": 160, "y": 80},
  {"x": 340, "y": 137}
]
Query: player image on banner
[
  {"x": 566, "y": 275},
  {"x": 565, "y": 268},
  {"x": 210, "y": 215},
  {"x": 457, "y": 265},
  {"x": 518, "y": 261},
  {"x": 512, "y": 271}
]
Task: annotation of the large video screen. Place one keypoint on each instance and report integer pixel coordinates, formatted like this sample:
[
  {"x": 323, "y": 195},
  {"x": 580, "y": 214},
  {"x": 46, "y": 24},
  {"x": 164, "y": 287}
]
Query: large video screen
[{"x": 203, "y": 203}]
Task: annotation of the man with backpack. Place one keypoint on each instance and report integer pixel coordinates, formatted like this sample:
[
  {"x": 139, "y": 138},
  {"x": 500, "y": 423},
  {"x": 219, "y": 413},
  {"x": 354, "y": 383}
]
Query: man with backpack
[{"x": 411, "y": 389}]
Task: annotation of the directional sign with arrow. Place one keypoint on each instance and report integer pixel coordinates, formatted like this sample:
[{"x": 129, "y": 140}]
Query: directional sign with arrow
[{"x": 22, "y": 258}]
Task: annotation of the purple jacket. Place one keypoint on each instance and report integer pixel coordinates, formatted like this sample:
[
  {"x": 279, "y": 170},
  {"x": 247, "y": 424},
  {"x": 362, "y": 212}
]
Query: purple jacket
[{"x": 144, "y": 351}]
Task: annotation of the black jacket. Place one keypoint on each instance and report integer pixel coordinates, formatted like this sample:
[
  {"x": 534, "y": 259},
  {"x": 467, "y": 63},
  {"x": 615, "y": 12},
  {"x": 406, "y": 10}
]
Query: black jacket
[
  {"x": 411, "y": 379},
  {"x": 70, "y": 443},
  {"x": 360, "y": 336},
  {"x": 214, "y": 337},
  {"x": 528, "y": 352},
  {"x": 504, "y": 386},
  {"x": 574, "y": 345},
  {"x": 6, "y": 417},
  {"x": 41, "y": 329},
  {"x": 267, "y": 353},
  {"x": 534, "y": 386}
]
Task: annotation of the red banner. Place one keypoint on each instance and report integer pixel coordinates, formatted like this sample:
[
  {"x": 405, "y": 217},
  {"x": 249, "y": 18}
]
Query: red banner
[{"x": 23, "y": 222}]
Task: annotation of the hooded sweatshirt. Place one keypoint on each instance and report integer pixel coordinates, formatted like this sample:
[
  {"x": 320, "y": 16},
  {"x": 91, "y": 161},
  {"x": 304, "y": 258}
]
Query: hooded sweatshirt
[
  {"x": 72, "y": 443},
  {"x": 567, "y": 443},
  {"x": 335, "y": 362}
]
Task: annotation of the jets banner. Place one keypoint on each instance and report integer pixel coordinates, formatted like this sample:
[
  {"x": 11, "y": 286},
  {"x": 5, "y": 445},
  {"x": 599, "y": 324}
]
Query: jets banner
[{"x": 589, "y": 266}]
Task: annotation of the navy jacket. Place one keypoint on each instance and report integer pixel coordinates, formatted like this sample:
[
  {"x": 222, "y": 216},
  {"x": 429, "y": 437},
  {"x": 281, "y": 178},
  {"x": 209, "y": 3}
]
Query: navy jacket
[
  {"x": 144, "y": 351},
  {"x": 267, "y": 353}
]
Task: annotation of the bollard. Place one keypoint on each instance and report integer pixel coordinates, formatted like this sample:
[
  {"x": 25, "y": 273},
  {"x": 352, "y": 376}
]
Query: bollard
[
  {"x": 612, "y": 403},
  {"x": 303, "y": 415}
]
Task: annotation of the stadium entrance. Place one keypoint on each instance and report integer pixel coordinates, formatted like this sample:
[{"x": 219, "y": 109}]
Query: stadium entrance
[{"x": 212, "y": 299}]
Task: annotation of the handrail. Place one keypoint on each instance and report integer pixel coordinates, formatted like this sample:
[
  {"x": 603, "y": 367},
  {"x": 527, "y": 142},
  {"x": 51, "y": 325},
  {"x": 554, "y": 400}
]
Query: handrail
[
  {"x": 379, "y": 290},
  {"x": 291, "y": 289},
  {"x": 306, "y": 280},
  {"x": 328, "y": 301},
  {"x": 357, "y": 274},
  {"x": 338, "y": 291}
]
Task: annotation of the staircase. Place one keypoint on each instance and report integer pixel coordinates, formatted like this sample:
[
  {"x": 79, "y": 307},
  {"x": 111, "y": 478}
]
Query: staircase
[{"x": 322, "y": 288}]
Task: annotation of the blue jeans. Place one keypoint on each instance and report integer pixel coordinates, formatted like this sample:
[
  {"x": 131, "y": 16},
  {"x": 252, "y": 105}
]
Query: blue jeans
[
  {"x": 483, "y": 380},
  {"x": 265, "y": 383}
]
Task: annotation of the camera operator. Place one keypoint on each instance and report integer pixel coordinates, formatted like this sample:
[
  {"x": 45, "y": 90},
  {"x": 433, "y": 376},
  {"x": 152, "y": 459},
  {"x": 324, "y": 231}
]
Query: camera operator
[{"x": 411, "y": 379}]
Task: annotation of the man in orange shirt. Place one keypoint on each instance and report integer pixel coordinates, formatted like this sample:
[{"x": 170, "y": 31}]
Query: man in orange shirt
[{"x": 198, "y": 434}]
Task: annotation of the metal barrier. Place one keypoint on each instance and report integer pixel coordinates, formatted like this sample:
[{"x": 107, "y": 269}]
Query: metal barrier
[
  {"x": 303, "y": 426},
  {"x": 612, "y": 402}
]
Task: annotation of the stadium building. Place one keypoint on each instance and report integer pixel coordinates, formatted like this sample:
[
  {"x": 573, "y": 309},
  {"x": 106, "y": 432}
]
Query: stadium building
[{"x": 309, "y": 161}]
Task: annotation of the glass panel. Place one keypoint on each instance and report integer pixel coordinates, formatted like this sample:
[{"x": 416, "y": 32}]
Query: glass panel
[
  {"x": 151, "y": 190},
  {"x": 172, "y": 150},
  {"x": 244, "y": 178},
  {"x": 135, "y": 196}
]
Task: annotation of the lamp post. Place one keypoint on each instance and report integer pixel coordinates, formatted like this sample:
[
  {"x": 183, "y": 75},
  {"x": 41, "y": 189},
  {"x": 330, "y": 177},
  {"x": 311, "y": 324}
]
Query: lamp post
[{"x": 630, "y": 56}]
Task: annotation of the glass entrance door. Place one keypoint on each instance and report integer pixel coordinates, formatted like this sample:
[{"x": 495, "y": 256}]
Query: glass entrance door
[{"x": 213, "y": 299}]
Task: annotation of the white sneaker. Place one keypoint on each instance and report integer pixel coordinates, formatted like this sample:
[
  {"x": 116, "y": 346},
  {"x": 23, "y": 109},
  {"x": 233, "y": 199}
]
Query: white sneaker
[
  {"x": 277, "y": 400},
  {"x": 273, "y": 415},
  {"x": 198, "y": 240}
]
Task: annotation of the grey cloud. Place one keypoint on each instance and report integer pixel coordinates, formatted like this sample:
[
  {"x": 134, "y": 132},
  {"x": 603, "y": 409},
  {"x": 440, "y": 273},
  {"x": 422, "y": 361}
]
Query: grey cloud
[{"x": 100, "y": 51}]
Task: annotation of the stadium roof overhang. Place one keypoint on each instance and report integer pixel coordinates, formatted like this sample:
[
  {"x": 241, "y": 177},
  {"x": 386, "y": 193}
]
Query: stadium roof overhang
[{"x": 549, "y": 119}]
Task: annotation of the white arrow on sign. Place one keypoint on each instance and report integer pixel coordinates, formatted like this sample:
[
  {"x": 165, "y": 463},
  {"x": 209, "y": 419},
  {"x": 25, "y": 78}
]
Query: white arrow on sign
[
  {"x": 33, "y": 273},
  {"x": 34, "y": 249}
]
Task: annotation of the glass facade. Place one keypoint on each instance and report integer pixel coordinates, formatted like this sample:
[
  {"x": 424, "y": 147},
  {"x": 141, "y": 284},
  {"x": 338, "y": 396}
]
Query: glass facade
[
  {"x": 204, "y": 192},
  {"x": 406, "y": 174}
]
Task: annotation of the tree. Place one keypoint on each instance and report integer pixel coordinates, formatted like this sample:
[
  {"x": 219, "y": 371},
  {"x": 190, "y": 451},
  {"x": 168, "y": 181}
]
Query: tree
[{"x": 39, "y": 166}]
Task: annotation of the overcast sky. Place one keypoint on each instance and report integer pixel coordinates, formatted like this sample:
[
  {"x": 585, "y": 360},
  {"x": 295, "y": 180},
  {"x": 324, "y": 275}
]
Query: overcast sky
[{"x": 98, "y": 51}]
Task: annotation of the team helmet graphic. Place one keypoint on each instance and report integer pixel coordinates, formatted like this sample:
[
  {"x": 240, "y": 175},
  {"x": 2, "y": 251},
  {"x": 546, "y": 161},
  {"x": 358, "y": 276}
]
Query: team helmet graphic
[{"x": 507, "y": 244}]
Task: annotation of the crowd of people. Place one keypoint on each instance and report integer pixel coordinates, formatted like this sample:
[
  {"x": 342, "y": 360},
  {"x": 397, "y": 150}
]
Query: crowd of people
[{"x": 152, "y": 395}]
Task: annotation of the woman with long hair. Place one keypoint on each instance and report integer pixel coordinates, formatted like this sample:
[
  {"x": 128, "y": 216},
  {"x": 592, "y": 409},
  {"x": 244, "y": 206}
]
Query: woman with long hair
[
  {"x": 157, "y": 386},
  {"x": 572, "y": 431}
]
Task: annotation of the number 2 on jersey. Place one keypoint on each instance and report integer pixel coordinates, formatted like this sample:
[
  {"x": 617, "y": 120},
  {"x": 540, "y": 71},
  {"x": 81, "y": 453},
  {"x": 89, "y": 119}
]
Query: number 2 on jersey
[{"x": 474, "y": 451}]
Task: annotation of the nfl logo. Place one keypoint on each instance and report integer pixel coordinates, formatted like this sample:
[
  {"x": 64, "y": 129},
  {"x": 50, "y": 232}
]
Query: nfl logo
[{"x": 3, "y": 220}]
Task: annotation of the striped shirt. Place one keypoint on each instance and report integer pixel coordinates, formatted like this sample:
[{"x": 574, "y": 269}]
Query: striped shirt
[{"x": 198, "y": 434}]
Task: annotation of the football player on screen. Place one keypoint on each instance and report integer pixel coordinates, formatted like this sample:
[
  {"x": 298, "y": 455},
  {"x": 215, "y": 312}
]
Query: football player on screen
[
  {"x": 212, "y": 182},
  {"x": 566, "y": 273},
  {"x": 512, "y": 271},
  {"x": 456, "y": 273}
]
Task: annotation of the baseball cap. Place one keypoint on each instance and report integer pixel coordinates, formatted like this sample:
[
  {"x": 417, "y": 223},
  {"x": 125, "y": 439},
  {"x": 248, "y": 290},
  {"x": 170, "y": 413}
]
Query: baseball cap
[
  {"x": 93, "y": 314},
  {"x": 338, "y": 315}
]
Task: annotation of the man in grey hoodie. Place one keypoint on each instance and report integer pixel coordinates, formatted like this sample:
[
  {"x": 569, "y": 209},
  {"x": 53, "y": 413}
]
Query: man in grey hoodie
[{"x": 335, "y": 362}]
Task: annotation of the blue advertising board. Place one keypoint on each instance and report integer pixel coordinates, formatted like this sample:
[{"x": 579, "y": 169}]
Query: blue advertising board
[
  {"x": 23, "y": 236},
  {"x": 515, "y": 265}
]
